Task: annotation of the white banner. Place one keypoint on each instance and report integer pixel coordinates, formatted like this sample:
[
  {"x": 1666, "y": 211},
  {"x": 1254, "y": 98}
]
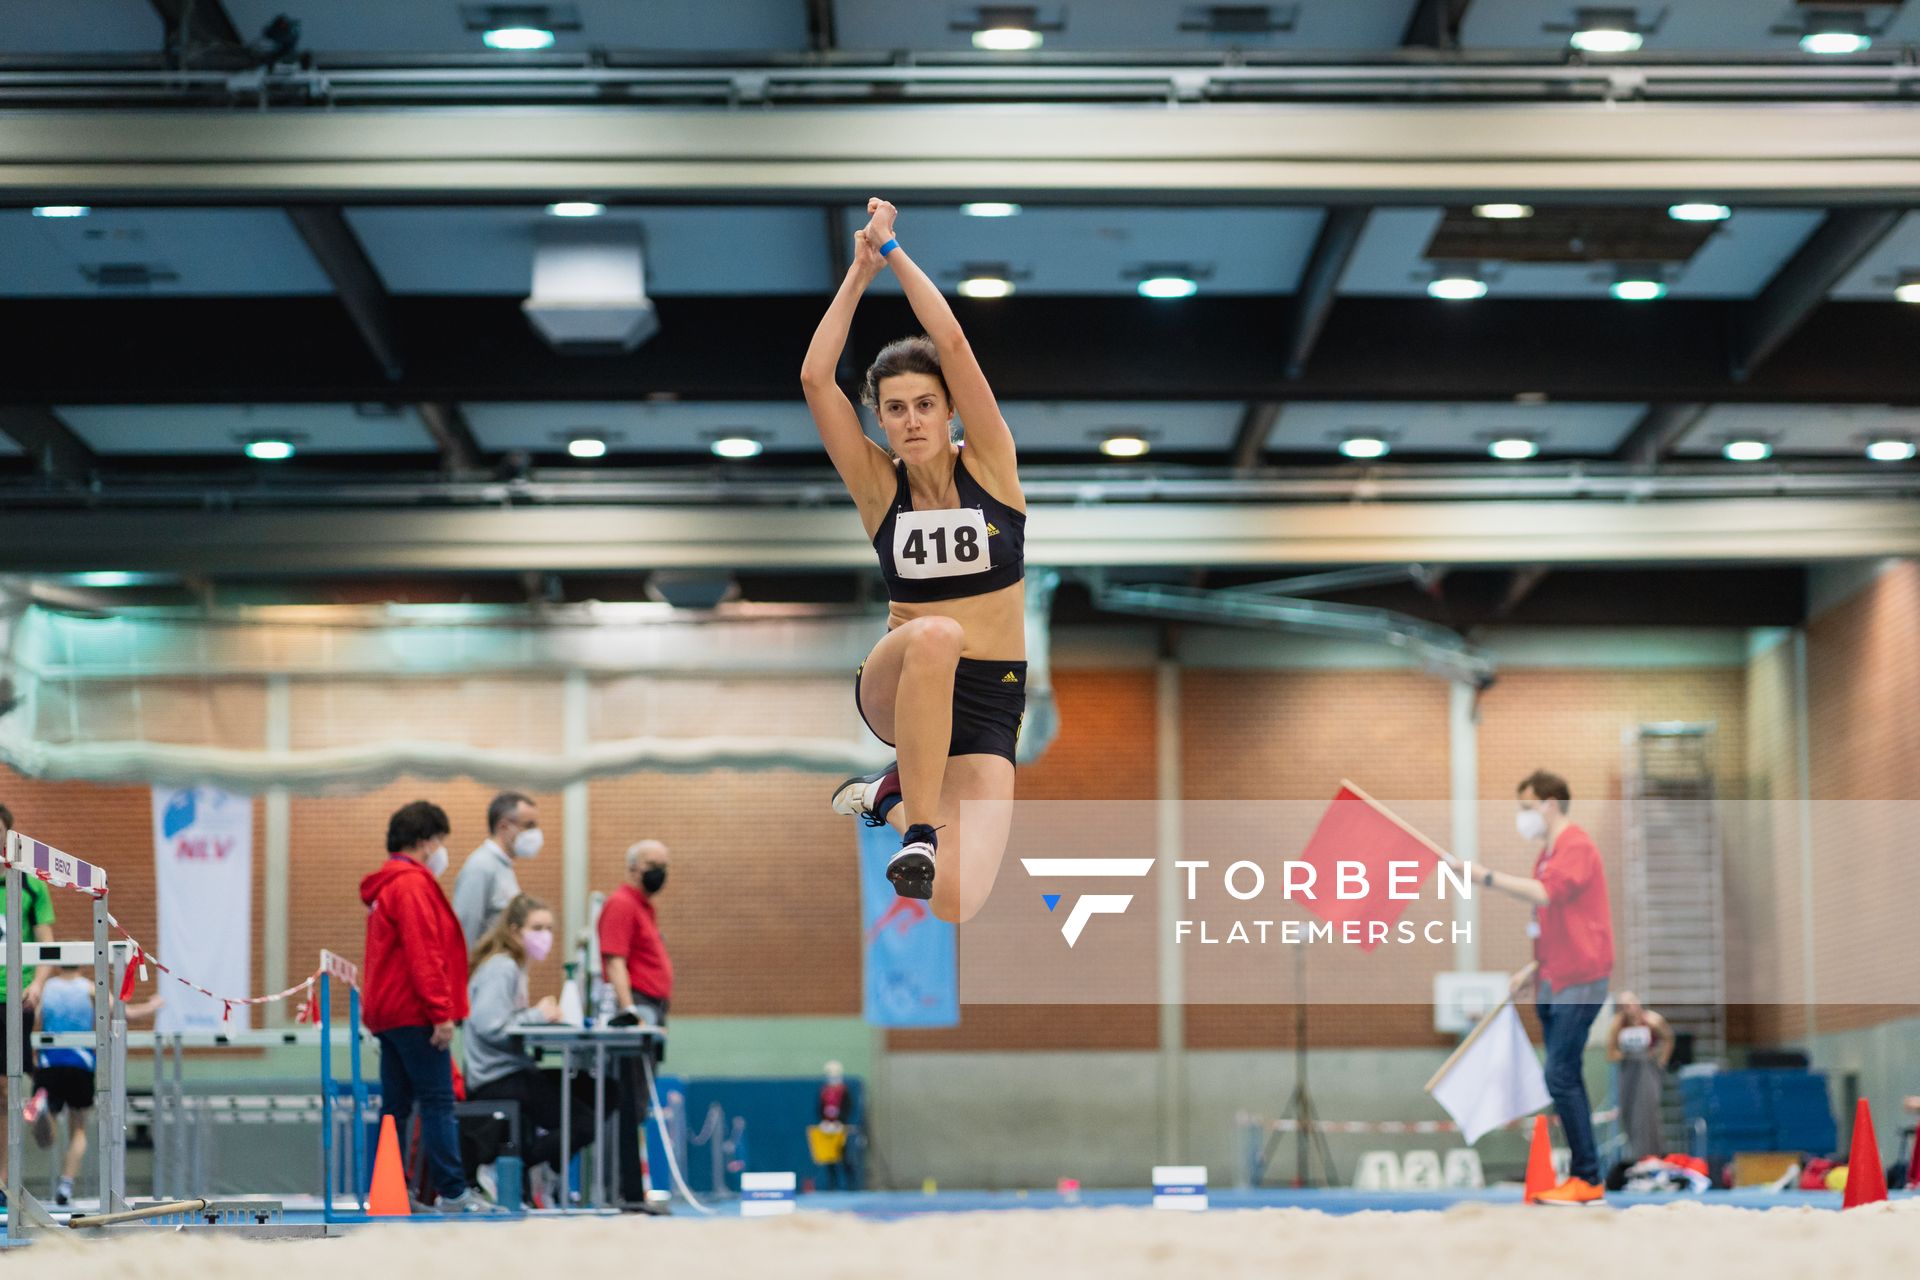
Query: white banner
[{"x": 203, "y": 881}]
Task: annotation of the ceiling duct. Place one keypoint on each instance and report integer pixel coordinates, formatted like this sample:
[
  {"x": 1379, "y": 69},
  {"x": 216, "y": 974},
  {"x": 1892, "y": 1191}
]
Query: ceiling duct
[{"x": 590, "y": 290}]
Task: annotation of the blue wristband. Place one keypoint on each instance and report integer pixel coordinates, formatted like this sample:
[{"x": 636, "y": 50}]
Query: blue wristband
[{"x": 889, "y": 247}]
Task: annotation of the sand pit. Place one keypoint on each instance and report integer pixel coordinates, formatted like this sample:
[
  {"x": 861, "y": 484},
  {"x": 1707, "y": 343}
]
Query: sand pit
[{"x": 1476, "y": 1240}]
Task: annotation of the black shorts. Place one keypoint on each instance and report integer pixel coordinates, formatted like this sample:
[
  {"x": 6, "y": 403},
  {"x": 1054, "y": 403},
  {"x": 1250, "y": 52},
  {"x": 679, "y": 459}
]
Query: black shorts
[
  {"x": 989, "y": 701},
  {"x": 68, "y": 1088}
]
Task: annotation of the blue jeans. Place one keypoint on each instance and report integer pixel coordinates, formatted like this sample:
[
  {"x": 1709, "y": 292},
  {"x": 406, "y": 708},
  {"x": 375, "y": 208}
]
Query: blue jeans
[
  {"x": 414, "y": 1073},
  {"x": 1565, "y": 1018}
]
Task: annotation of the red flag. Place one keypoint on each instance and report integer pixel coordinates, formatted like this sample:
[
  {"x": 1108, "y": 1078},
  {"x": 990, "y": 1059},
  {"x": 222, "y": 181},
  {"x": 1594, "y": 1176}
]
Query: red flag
[
  {"x": 131, "y": 975},
  {"x": 1356, "y": 830}
]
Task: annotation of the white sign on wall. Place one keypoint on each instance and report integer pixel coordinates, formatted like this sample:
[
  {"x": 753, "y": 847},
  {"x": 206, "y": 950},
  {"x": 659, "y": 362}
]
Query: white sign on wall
[{"x": 203, "y": 882}]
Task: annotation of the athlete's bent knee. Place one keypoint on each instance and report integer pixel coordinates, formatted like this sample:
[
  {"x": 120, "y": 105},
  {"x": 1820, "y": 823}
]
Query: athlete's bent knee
[{"x": 935, "y": 639}]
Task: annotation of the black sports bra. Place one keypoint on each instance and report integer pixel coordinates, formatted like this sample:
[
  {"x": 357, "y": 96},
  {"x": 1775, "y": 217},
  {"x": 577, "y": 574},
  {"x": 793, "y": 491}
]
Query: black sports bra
[{"x": 949, "y": 554}]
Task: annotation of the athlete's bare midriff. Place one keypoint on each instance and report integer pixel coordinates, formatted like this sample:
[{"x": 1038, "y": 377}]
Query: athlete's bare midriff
[{"x": 995, "y": 623}]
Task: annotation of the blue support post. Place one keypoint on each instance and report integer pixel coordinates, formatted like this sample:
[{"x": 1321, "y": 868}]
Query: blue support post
[
  {"x": 326, "y": 1098},
  {"x": 360, "y": 1178}
]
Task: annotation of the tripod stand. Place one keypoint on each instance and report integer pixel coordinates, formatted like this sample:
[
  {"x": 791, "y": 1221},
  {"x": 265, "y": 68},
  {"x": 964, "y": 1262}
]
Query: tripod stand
[{"x": 1308, "y": 1140}]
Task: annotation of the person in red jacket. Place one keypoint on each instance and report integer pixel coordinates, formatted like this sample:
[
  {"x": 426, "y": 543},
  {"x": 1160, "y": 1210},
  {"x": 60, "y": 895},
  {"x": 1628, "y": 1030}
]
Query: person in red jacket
[
  {"x": 416, "y": 976},
  {"x": 1572, "y": 932}
]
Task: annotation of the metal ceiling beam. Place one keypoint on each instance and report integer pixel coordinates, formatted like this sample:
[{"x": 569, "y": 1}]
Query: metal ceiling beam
[
  {"x": 1320, "y": 283},
  {"x": 1434, "y": 24},
  {"x": 1659, "y": 430},
  {"x": 57, "y": 452},
  {"x": 1250, "y": 441},
  {"x": 511, "y": 539},
  {"x": 820, "y": 29},
  {"x": 193, "y": 26},
  {"x": 340, "y": 255},
  {"x": 1036, "y": 348},
  {"x": 1407, "y": 154},
  {"x": 459, "y": 450},
  {"x": 1801, "y": 286}
]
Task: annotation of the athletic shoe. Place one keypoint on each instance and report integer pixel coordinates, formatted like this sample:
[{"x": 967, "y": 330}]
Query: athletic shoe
[
  {"x": 469, "y": 1202},
  {"x": 39, "y": 1116},
  {"x": 1574, "y": 1193},
  {"x": 910, "y": 871},
  {"x": 542, "y": 1183},
  {"x": 859, "y": 797},
  {"x": 63, "y": 1192}
]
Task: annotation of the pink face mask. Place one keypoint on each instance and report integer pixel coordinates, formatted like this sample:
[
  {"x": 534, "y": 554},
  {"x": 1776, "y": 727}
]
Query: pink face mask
[{"x": 539, "y": 944}]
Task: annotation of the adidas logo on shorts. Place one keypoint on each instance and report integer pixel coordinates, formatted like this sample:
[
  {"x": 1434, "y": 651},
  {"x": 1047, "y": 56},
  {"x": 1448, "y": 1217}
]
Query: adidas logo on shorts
[{"x": 1009, "y": 678}]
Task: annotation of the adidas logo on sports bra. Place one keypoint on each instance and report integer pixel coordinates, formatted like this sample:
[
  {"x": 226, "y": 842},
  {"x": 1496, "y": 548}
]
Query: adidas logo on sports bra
[
  {"x": 1009, "y": 678},
  {"x": 991, "y": 530}
]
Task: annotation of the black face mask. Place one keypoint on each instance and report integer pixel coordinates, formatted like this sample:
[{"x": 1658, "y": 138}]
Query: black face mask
[{"x": 652, "y": 878}]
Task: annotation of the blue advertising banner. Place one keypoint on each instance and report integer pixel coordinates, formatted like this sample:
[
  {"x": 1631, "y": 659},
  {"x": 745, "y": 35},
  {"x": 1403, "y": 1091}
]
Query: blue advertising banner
[{"x": 912, "y": 978}]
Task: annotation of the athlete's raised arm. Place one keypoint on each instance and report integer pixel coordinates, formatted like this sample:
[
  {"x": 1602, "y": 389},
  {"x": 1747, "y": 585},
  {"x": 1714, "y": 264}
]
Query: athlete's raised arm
[
  {"x": 989, "y": 441},
  {"x": 863, "y": 465}
]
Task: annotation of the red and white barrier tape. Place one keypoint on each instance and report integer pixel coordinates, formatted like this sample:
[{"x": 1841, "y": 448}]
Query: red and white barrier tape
[
  {"x": 1405, "y": 1126},
  {"x": 137, "y": 967}
]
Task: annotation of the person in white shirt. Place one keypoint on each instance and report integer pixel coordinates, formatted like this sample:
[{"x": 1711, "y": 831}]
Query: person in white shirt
[{"x": 487, "y": 882}]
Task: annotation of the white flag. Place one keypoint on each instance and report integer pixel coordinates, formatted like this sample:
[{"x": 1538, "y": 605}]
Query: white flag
[{"x": 1496, "y": 1081}]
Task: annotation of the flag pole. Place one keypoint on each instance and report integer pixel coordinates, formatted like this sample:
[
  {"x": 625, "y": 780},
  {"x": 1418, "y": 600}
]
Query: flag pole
[
  {"x": 1398, "y": 821},
  {"x": 1513, "y": 984}
]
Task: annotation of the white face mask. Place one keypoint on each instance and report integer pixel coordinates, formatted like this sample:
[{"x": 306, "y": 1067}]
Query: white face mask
[
  {"x": 1531, "y": 823},
  {"x": 437, "y": 861},
  {"x": 529, "y": 843}
]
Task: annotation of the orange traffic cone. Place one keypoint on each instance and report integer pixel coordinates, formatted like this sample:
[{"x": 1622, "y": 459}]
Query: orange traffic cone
[
  {"x": 1866, "y": 1180},
  {"x": 1540, "y": 1175},
  {"x": 388, "y": 1196}
]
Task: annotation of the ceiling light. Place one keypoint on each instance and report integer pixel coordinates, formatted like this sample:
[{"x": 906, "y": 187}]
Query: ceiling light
[
  {"x": 269, "y": 450},
  {"x": 1457, "y": 288},
  {"x": 1364, "y": 447},
  {"x": 1503, "y": 211},
  {"x": 1835, "y": 43},
  {"x": 1124, "y": 446},
  {"x": 989, "y": 209},
  {"x": 1746, "y": 451},
  {"x": 736, "y": 447},
  {"x": 518, "y": 39},
  {"x": 985, "y": 287},
  {"x": 1513, "y": 450},
  {"x": 1892, "y": 450},
  {"x": 1907, "y": 290},
  {"x": 587, "y": 447},
  {"x": 1699, "y": 212},
  {"x": 1637, "y": 290},
  {"x": 62, "y": 211},
  {"x": 109, "y": 578},
  {"x": 1006, "y": 39},
  {"x": 1167, "y": 287},
  {"x": 576, "y": 209},
  {"x": 1606, "y": 40}
]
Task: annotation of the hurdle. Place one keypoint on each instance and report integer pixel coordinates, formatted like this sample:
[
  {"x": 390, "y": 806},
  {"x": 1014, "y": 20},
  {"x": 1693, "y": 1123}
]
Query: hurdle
[
  {"x": 112, "y": 958},
  {"x": 24, "y": 857},
  {"x": 337, "y": 968}
]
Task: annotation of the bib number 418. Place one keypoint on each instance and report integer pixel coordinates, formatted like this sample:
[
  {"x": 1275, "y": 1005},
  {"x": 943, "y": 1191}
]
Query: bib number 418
[{"x": 940, "y": 544}]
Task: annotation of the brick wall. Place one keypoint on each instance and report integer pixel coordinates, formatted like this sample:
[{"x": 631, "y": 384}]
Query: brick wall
[
  {"x": 1863, "y": 687},
  {"x": 762, "y": 908},
  {"x": 1293, "y": 736},
  {"x": 112, "y": 827}
]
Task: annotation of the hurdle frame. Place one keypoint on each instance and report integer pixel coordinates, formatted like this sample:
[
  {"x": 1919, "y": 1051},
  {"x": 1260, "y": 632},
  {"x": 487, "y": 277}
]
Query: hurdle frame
[
  {"x": 25, "y": 856},
  {"x": 339, "y": 967}
]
